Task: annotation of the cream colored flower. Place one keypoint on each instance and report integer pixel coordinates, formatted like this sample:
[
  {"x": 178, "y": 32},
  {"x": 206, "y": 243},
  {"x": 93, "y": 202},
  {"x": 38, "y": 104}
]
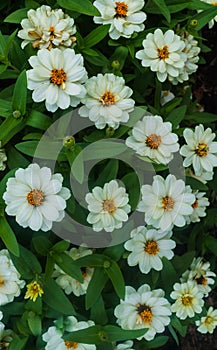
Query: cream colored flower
[
  {"x": 47, "y": 28},
  {"x": 208, "y": 323}
]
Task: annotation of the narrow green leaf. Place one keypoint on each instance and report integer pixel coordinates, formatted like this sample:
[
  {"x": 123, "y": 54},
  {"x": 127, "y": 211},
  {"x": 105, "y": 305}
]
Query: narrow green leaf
[
  {"x": 181, "y": 263},
  {"x": 168, "y": 275},
  {"x": 202, "y": 117},
  {"x": 117, "y": 334},
  {"x": 96, "y": 36},
  {"x": 67, "y": 264},
  {"x": 16, "y": 16},
  {"x": 115, "y": 252},
  {"x": 204, "y": 17},
  {"x": 176, "y": 323},
  {"x": 8, "y": 237},
  {"x": 34, "y": 323},
  {"x": 41, "y": 149},
  {"x": 108, "y": 173},
  {"x": 15, "y": 159},
  {"x": 90, "y": 335},
  {"x": 92, "y": 260},
  {"x": 176, "y": 116},
  {"x": 10, "y": 42},
  {"x": 42, "y": 245},
  {"x": 49, "y": 268},
  {"x": 27, "y": 263},
  {"x": 10, "y": 127},
  {"x": 158, "y": 342},
  {"x": 95, "y": 287},
  {"x": 131, "y": 182},
  {"x": 55, "y": 298},
  {"x": 20, "y": 94},
  {"x": 38, "y": 120},
  {"x": 116, "y": 278},
  {"x": 195, "y": 184},
  {"x": 18, "y": 343},
  {"x": 98, "y": 312},
  {"x": 163, "y": 9},
  {"x": 211, "y": 243},
  {"x": 61, "y": 246},
  {"x": 84, "y": 6},
  {"x": 173, "y": 333}
]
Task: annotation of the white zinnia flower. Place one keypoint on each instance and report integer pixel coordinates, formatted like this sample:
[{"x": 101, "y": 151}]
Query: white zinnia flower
[
  {"x": 124, "y": 17},
  {"x": 144, "y": 308},
  {"x": 212, "y": 21},
  {"x": 54, "y": 340},
  {"x": 189, "y": 300},
  {"x": 166, "y": 202},
  {"x": 148, "y": 247},
  {"x": 192, "y": 50},
  {"x": 200, "y": 150},
  {"x": 10, "y": 282},
  {"x": 3, "y": 158},
  {"x": 36, "y": 197},
  {"x": 127, "y": 345},
  {"x": 166, "y": 96},
  {"x": 200, "y": 273},
  {"x": 57, "y": 77},
  {"x": 108, "y": 207},
  {"x": 163, "y": 53},
  {"x": 153, "y": 138},
  {"x": 199, "y": 207},
  {"x": 107, "y": 101},
  {"x": 68, "y": 283},
  {"x": 207, "y": 323},
  {"x": 47, "y": 28},
  {"x": 204, "y": 177}
]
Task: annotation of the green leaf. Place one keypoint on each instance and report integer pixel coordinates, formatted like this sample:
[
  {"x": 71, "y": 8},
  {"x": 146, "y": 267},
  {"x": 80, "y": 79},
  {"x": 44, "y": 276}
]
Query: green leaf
[
  {"x": 34, "y": 323},
  {"x": 173, "y": 333},
  {"x": 93, "y": 260},
  {"x": 120, "y": 55},
  {"x": 67, "y": 264},
  {"x": 98, "y": 312},
  {"x": 158, "y": 342},
  {"x": 211, "y": 244},
  {"x": 91, "y": 335},
  {"x": 10, "y": 127},
  {"x": 108, "y": 173},
  {"x": 17, "y": 16},
  {"x": 15, "y": 159},
  {"x": 18, "y": 343},
  {"x": 195, "y": 184},
  {"x": 176, "y": 323},
  {"x": 163, "y": 9},
  {"x": 182, "y": 263},
  {"x": 96, "y": 35},
  {"x": 61, "y": 246},
  {"x": 117, "y": 334},
  {"x": 176, "y": 116},
  {"x": 20, "y": 94},
  {"x": 27, "y": 263},
  {"x": 95, "y": 286},
  {"x": 100, "y": 60},
  {"x": 55, "y": 298},
  {"x": 8, "y": 237},
  {"x": 41, "y": 149},
  {"x": 115, "y": 252},
  {"x": 168, "y": 275},
  {"x": 42, "y": 245},
  {"x": 116, "y": 277},
  {"x": 131, "y": 182},
  {"x": 202, "y": 117},
  {"x": 10, "y": 42},
  {"x": 38, "y": 120},
  {"x": 84, "y": 6},
  {"x": 5, "y": 108},
  {"x": 49, "y": 268},
  {"x": 204, "y": 17}
]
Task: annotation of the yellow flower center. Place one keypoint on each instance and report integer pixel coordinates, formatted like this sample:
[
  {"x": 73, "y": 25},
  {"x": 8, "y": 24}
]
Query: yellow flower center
[
  {"x": 71, "y": 345},
  {"x": 35, "y": 197},
  {"x": 107, "y": 98},
  {"x": 187, "y": 300},
  {"x": 1, "y": 282},
  {"x": 33, "y": 291},
  {"x": 58, "y": 77},
  {"x": 168, "y": 203},
  {"x": 145, "y": 313},
  {"x": 153, "y": 141},
  {"x": 208, "y": 320},
  {"x": 151, "y": 247},
  {"x": 195, "y": 204},
  {"x": 51, "y": 29},
  {"x": 202, "y": 149},
  {"x": 109, "y": 206},
  {"x": 163, "y": 53},
  {"x": 201, "y": 280},
  {"x": 214, "y": 3},
  {"x": 121, "y": 9}
]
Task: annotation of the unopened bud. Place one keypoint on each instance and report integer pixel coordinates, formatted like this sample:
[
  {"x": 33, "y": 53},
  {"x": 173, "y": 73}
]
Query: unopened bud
[
  {"x": 193, "y": 23},
  {"x": 68, "y": 141},
  {"x": 115, "y": 64},
  {"x": 16, "y": 114},
  {"x": 110, "y": 131}
]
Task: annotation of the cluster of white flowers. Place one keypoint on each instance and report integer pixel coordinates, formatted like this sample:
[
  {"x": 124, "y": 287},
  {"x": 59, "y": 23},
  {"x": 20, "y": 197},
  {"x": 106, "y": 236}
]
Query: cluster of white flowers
[
  {"x": 192, "y": 51},
  {"x": 124, "y": 17},
  {"x": 148, "y": 247},
  {"x": 107, "y": 101},
  {"x": 167, "y": 202},
  {"x": 144, "y": 308},
  {"x": 3, "y": 158},
  {"x": 47, "y": 28},
  {"x": 108, "y": 207},
  {"x": 69, "y": 284},
  {"x": 200, "y": 273},
  {"x": 10, "y": 281},
  {"x": 53, "y": 336},
  {"x": 153, "y": 138},
  {"x": 36, "y": 197}
]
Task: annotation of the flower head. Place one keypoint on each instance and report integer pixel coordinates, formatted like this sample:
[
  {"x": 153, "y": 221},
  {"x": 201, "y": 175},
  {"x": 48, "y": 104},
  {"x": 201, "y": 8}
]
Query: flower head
[
  {"x": 166, "y": 202},
  {"x": 148, "y": 247},
  {"x": 57, "y": 77},
  {"x": 144, "y": 308},
  {"x": 3, "y": 158},
  {"x": 54, "y": 340},
  {"x": 108, "y": 207},
  {"x": 68, "y": 283},
  {"x": 200, "y": 150},
  {"x": 153, "y": 138},
  {"x": 124, "y": 17},
  {"x": 47, "y": 28},
  {"x": 166, "y": 96},
  {"x": 208, "y": 323},
  {"x": 189, "y": 300},
  {"x": 10, "y": 282},
  {"x": 163, "y": 53},
  {"x": 127, "y": 345},
  {"x": 107, "y": 101},
  {"x": 36, "y": 197},
  {"x": 200, "y": 273},
  {"x": 199, "y": 207},
  {"x": 192, "y": 51},
  {"x": 34, "y": 290}
]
